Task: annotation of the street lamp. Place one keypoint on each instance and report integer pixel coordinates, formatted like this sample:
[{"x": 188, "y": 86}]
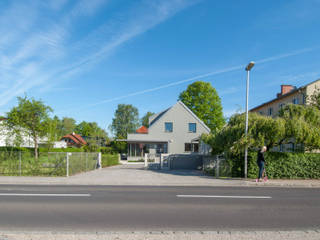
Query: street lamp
[{"x": 248, "y": 68}]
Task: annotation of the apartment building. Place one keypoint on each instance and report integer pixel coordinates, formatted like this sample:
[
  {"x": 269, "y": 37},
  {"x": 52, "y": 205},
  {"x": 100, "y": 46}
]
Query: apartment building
[{"x": 289, "y": 94}]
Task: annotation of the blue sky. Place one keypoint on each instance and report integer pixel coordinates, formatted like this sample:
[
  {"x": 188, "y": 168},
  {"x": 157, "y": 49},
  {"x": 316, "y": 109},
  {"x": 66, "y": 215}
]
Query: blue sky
[{"x": 83, "y": 57}]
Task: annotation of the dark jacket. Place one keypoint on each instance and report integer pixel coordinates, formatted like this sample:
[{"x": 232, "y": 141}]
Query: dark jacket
[{"x": 260, "y": 157}]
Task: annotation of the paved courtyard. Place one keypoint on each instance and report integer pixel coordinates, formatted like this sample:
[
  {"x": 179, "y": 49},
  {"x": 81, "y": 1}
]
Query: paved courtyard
[{"x": 135, "y": 174}]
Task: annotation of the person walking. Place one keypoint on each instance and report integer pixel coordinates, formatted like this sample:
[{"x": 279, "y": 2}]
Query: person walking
[{"x": 261, "y": 162}]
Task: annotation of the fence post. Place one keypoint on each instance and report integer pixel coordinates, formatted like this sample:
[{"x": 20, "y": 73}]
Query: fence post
[
  {"x": 86, "y": 161},
  {"x": 20, "y": 163},
  {"x": 146, "y": 160},
  {"x": 99, "y": 161},
  {"x": 217, "y": 167},
  {"x": 67, "y": 167},
  {"x": 161, "y": 161}
]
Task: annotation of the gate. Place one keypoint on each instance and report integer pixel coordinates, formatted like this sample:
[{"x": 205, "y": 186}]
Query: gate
[{"x": 186, "y": 162}]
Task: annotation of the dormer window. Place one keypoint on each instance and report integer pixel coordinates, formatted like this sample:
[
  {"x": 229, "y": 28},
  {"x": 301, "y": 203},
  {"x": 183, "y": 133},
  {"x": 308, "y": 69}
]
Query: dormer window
[{"x": 168, "y": 126}]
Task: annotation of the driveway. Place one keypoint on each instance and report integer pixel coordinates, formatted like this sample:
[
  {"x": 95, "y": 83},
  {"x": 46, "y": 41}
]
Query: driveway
[{"x": 133, "y": 174}]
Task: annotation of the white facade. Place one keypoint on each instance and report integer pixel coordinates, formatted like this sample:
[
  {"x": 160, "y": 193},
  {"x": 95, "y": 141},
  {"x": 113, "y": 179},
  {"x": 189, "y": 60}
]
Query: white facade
[
  {"x": 179, "y": 118},
  {"x": 9, "y": 139}
]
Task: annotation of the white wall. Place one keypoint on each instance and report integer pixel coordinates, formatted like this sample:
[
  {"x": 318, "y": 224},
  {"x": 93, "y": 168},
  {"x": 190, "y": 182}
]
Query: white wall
[{"x": 180, "y": 117}]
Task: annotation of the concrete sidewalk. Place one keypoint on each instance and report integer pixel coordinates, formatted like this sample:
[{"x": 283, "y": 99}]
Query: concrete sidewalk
[
  {"x": 136, "y": 175},
  {"x": 223, "y": 235}
]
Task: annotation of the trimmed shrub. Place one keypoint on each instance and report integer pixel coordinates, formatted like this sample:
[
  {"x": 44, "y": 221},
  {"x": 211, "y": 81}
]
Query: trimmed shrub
[
  {"x": 109, "y": 160},
  {"x": 69, "y": 149},
  {"x": 287, "y": 165}
]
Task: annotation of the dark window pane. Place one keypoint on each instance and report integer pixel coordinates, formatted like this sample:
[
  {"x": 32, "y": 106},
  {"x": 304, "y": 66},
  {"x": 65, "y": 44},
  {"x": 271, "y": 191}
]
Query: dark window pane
[
  {"x": 192, "y": 127},
  {"x": 187, "y": 147},
  {"x": 195, "y": 147},
  {"x": 168, "y": 127}
]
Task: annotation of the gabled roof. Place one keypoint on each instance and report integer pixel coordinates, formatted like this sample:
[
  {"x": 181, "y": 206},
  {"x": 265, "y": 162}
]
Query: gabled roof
[
  {"x": 195, "y": 116},
  {"x": 76, "y": 138},
  {"x": 142, "y": 130},
  {"x": 161, "y": 114},
  {"x": 282, "y": 96}
]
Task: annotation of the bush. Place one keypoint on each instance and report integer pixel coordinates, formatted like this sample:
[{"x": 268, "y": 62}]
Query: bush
[
  {"x": 69, "y": 149},
  {"x": 287, "y": 165},
  {"x": 107, "y": 150},
  {"x": 109, "y": 160}
]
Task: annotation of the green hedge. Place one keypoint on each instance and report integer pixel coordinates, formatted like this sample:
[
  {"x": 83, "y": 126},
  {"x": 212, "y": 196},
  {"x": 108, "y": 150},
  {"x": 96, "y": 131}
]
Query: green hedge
[
  {"x": 69, "y": 149},
  {"x": 109, "y": 160},
  {"x": 287, "y": 165}
]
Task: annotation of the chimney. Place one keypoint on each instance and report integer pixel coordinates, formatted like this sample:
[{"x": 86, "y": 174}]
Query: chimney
[{"x": 285, "y": 89}]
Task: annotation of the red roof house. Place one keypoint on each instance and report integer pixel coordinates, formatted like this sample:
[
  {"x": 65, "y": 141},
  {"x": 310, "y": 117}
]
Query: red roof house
[
  {"x": 74, "y": 140},
  {"x": 142, "y": 130}
]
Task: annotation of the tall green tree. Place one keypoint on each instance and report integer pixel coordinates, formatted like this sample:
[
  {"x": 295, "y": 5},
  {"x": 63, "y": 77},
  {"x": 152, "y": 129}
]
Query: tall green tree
[
  {"x": 93, "y": 133},
  {"x": 67, "y": 125},
  {"x": 126, "y": 120},
  {"x": 204, "y": 101},
  {"x": 30, "y": 116},
  {"x": 145, "y": 119}
]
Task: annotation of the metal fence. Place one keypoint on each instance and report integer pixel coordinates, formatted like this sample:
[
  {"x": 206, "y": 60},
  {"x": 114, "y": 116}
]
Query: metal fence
[
  {"x": 18, "y": 163},
  {"x": 216, "y": 166}
]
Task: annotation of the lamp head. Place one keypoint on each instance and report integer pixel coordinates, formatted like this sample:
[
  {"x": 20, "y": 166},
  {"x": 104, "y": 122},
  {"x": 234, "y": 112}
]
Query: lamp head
[{"x": 250, "y": 65}]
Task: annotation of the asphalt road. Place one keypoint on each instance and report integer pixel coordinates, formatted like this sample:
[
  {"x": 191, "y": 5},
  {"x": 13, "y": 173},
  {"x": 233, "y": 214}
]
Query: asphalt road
[{"x": 107, "y": 208}]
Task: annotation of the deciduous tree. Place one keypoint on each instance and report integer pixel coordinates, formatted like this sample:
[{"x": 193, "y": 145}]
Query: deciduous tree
[
  {"x": 145, "y": 119},
  {"x": 30, "y": 116},
  {"x": 126, "y": 120},
  {"x": 204, "y": 101}
]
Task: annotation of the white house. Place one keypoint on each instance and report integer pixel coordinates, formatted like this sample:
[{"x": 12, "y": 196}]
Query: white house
[
  {"x": 8, "y": 139},
  {"x": 176, "y": 130}
]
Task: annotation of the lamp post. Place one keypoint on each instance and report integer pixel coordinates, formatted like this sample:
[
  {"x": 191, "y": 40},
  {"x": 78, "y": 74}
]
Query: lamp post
[{"x": 248, "y": 68}]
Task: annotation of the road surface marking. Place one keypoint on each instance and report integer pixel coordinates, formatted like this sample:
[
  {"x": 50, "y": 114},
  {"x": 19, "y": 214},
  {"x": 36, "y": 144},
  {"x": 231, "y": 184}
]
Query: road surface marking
[
  {"x": 220, "y": 196},
  {"x": 47, "y": 194}
]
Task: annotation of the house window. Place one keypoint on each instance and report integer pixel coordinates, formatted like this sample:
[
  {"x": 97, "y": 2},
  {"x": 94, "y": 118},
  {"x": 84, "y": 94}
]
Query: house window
[
  {"x": 168, "y": 127},
  {"x": 281, "y": 105},
  {"x": 191, "y": 147},
  {"x": 192, "y": 127},
  {"x": 195, "y": 147},
  {"x": 187, "y": 147},
  {"x": 295, "y": 101},
  {"x": 270, "y": 110}
]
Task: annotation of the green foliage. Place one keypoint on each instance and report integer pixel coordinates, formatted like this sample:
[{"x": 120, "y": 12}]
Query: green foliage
[
  {"x": 302, "y": 123},
  {"x": 204, "y": 101},
  {"x": 145, "y": 119},
  {"x": 109, "y": 160},
  {"x": 69, "y": 149},
  {"x": 119, "y": 147},
  {"x": 29, "y": 117},
  {"x": 126, "y": 120},
  {"x": 297, "y": 123},
  {"x": 314, "y": 99},
  {"x": 108, "y": 150},
  {"x": 287, "y": 165},
  {"x": 262, "y": 130},
  {"x": 65, "y": 126}
]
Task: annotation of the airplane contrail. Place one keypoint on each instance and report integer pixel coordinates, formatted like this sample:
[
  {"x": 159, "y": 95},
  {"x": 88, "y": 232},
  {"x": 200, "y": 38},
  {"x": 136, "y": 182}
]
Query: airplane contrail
[{"x": 225, "y": 70}]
